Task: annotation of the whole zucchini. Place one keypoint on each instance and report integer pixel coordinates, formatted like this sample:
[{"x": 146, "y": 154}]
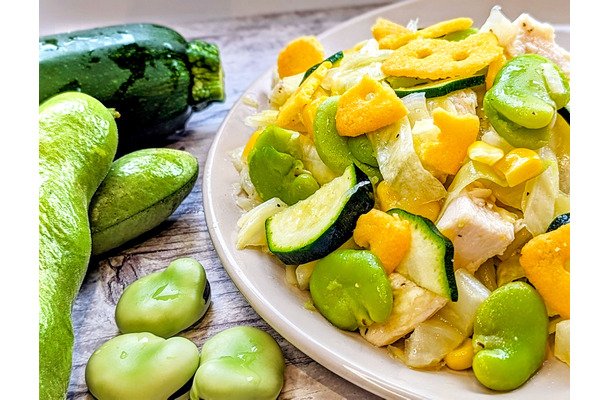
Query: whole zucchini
[
  {"x": 77, "y": 141},
  {"x": 150, "y": 74}
]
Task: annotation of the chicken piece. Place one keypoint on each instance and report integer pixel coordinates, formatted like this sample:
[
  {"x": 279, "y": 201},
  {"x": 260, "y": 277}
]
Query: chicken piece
[
  {"x": 534, "y": 37},
  {"x": 477, "y": 229},
  {"x": 412, "y": 305},
  {"x": 526, "y": 35}
]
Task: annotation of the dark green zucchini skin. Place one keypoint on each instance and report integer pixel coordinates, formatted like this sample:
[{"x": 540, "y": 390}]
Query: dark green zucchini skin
[
  {"x": 361, "y": 201},
  {"x": 559, "y": 220},
  {"x": 149, "y": 73}
]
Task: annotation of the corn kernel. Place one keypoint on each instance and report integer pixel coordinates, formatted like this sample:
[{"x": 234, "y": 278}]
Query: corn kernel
[
  {"x": 309, "y": 112},
  {"x": 457, "y": 132},
  {"x": 519, "y": 165},
  {"x": 460, "y": 358},
  {"x": 289, "y": 115},
  {"x": 250, "y": 145},
  {"x": 367, "y": 106},
  {"x": 484, "y": 152},
  {"x": 299, "y": 55},
  {"x": 387, "y": 236}
]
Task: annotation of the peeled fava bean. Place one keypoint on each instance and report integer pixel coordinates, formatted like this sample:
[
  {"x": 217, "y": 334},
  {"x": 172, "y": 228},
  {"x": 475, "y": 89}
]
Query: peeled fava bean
[
  {"x": 523, "y": 102},
  {"x": 166, "y": 302},
  {"x": 276, "y": 167},
  {"x": 351, "y": 289},
  {"x": 510, "y": 336},
  {"x": 240, "y": 363},
  {"x": 141, "y": 366}
]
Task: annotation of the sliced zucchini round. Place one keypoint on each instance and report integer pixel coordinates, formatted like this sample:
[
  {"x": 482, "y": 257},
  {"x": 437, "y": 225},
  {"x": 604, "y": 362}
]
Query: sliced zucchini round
[
  {"x": 442, "y": 88},
  {"x": 320, "y": 224},
  {"x": 429, "y": 262},
  {"x": 334, "y": 59},
  {"x": 559, "y": 220}
]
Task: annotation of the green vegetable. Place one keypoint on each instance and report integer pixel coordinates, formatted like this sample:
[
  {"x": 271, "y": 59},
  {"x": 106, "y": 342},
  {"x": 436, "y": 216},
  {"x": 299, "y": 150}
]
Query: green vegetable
[
  {"x": 351, "y": 289},
  {"x": 239, "y": 363},
  {"x": 141, "y": 366},
  {"x": 510, "y": 336},
  {"x": 559, "y": 220},
  {"x": 334, "y": 59},
  {"x": 167, "y": 302},
  {"x": 320, "y": 224},
  {"x": 523, "y": 102},
  {"x": 276, "y": 169},
  {"x": 400, "y": 165},
  {"x": 429, "y": 262},
  {"x": 460, "y": 35},
  {"x": 397, "y": 82},
  {"x": 142, "y": 189},
  {"x": 442, "y": 88},
  {"x": 77, "y": 141},
  {"x": 361, "y": 148},
  {"x": 334, "y": 149},
  {"x": 149, "y": 73}
]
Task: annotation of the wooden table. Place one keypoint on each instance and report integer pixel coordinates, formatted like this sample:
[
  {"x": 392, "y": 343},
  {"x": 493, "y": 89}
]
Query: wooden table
[{"x": 248, "y": 46}]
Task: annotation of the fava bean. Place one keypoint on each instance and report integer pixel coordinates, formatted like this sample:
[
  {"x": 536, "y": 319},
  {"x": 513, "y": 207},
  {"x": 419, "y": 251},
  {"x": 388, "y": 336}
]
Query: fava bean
[
  {"x": 240, "y": 363},
  {"x": 524, "y": 99},
  {"x": 141, "y": 366},
  {"x": 350, "y": 288},
  {"x": 166, "y": 302},
  {"x": 510, "y": 336},
  {"x": 276, "y": 169}
]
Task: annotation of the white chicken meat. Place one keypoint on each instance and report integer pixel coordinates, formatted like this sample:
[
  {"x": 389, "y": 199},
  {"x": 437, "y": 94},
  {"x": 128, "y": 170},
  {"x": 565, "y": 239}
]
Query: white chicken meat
[
  {"x": 526, "y": 35},
  {"x": 477, "y": 229}
]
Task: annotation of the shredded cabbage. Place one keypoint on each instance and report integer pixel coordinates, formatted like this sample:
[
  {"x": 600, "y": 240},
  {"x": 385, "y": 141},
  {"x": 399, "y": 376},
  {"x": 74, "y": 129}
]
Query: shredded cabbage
[
  {"x": 262, "y": 119},
  {"x": 283, "y": 89},
  {"x": 252, "y": 223},
  {"x": 354, "y": 65},
  {"x": 471, "y": 172},
  {"x": 400, "y": 166},
  {"x": 313, "y": 163},
  {"x": 540, "y": 196}
]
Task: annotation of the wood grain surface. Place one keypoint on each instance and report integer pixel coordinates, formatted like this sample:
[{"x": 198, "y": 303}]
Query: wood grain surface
[{"x": 248, "y": 47}]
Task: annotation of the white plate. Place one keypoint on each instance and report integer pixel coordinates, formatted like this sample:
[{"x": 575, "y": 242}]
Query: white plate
[{"x": 261, "y": 279}]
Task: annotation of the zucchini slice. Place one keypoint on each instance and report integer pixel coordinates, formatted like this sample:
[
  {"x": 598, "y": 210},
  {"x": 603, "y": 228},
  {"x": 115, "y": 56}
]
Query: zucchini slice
[
  {"x": 565, "y": 112},
  {"x": 320, "y": 224},
  {"x": 429, "y": 262},
  {"x": 559, "y": 220},
  {"x": 442, "y": 88},
  {"x": 334, "y": 59}
]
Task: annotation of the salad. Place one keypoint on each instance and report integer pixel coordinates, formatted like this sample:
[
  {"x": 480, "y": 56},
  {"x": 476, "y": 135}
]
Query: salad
[{"x": 416, "y": 186}]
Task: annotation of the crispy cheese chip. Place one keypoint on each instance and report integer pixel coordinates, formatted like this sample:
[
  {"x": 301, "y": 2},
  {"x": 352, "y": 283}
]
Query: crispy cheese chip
[
  {"x": 543, "y": 259},
  {"x": 440, "y": 59},
  {"x": 390, "y": 36},
  {"x": 366, "y": 107},
  {"x": 386, "y": 235},
  {"x": 309, "y": 111},
  {"x": 299, "y": 55},
  {"x": 289, "y": 115},
  {"x": 412, "y": 305},
  {"x": 387, "y": 31},
  {"x": 447, "y": 151}
]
